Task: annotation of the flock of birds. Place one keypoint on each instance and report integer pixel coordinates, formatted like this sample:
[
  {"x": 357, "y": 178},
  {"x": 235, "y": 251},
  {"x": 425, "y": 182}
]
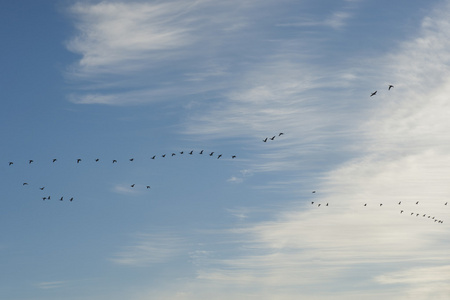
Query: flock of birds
[{"x": 115, "y": 161}]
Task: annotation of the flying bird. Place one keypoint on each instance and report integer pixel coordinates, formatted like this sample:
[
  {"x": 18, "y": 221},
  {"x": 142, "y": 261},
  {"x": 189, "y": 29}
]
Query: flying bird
[
  {"x": 132, "y": 185},
  {"x": 44, "y": 198},
  {"x": 114, "y": 161},
  {"x": 211, "y": 154},
  {"x": 201, "y": 152},
  {"x": 390, "y": 87},
  {"x": 417, "y": 202},
  {"x": 163, "y": 155},
  {"x": 153, "y": 157},
  {"x": 54, "y": 160},
  {"x": 400, "y": 203},
  {"x": 313, "y": 192},
  {"x": 173, "y": 154},
  {"x": 71, "y": 199},
  {"x": 326, "y": 205},
  {"x": 220, "y": 155},
  {"x": 97, "y": 159},
  {"x": 25, "y": 183},
  {"x": 148, "y": 186},
  {"x": 191, "y": 152},
  {"x": 445, "y": 203},
  {"x": 401, "y": 211},
  {"x": 30, "y": 161},
  {"x": 78, "y": 160},
  {"x": 365, "y": 204},
  {"x": 11, "y": 163},
  {"x": 312, "y": 202},
  {"x": 131, "y": 159},
  {"x": 373, "y": 94},
  {"x": 48, "y": 197},
  {"x": 42, "y": 188},
  {"x": 61, "y": 199},
  {"x": 265, "y": 140},
  {"x": 181, "y": 152},
  {"x": 234, "y": 156},
  {"x": 381, "y": 204},
  {"x": 318, "y": 205},
  {"x": 280, "y": 134},
  {"x": 272, "y": 138}
]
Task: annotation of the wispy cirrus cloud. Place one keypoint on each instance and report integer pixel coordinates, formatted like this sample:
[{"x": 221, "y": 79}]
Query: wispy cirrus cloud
[{"x": 149, "y": 249}]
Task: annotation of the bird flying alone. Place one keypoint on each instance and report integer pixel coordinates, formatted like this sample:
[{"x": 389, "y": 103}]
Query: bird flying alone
[
  {"x": 373, "y": 94},
  {"x": 390, "y": 87}
]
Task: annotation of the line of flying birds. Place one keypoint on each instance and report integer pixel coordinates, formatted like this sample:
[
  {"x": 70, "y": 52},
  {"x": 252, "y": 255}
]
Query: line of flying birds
[
  {"x": 78, "y": 160},
  {"x": 272, "y": 138}
]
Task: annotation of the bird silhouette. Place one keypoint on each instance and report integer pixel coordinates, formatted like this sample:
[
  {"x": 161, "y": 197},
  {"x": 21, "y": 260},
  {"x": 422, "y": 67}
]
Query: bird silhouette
[
  {"x": 234, "y": 156},
  {"x": 53, "y": 160},
  {"x": 381, "y": 204},
  {"x": 132, "y": 185},
  {"x": 78, "y": 160},
  {"x": 412, "y": 213},
  {"x": 44, "y": 198},
  {"x": 373, "y": 94},
  {"x": 312, "y": 202},
  {"x": 173, "y": 154},
  {"x": 445, "y": 203},
  {"x": 148, "y": 186},
  {"x": 48, "y": 197},
  {"x": 131, "y": 159},
  {"x": 272, "y": 138},
  {"x": 181, "y": 152},
  {"x": 153, "y": 157},
  {"x": 265, "y": 140},
  {"x": 417, "y": 215},
  {"x": 220, "y": 155},
  {"x": 30, "y": 161},
  {"x": 97, "y": 159},
  {"x": 191, "y": 152},
  {"x": 326, "y": 205},
  {"x": 280, "y": 134},
  {"x": 417, "y": 202},
  {"x": 71, "y": 199},
  {"x": 365, "y": 204},
  {"x": 61, "y": 199},
  {"x": 318, "y": 205},
  {"x": 313, "y": 192},
  {"x": 400, "y": 203},
  {"x": 390, "y": 87},
  {"x": 201, "y": 152},
  {"x": 11, "y": 163},
  {"x": 114, "y": 161},
  {"x": 163, "y": 155},
  {"x": 211, "y": 154},
  {"x": 401, "y": 211},
  {"x": 25, "y": 183},
  {"x": 42, "y": 188}
]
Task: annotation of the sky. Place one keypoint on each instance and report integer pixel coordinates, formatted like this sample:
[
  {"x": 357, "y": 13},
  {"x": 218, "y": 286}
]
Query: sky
[{"x": 350, "y": 202}]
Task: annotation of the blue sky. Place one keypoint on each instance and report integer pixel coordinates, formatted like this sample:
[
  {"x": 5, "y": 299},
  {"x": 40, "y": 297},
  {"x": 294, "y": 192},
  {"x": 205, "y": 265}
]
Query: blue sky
[{"x": 116, "y": 80}]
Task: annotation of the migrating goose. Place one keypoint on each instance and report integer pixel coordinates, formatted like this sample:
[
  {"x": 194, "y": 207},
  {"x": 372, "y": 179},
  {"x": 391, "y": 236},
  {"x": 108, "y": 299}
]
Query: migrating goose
[
  {"x": 131, "y": 159},
  {"x": 44, "y": 198},
  {"x": 280, "y": 134},
  {"x": 11, "y": 163},
  {"x": 265, "y": 140},
  {"x": 173, "y": 154},
  {"x": 233, "y": 157},
  {"x": 220, "y": 155},
  {"x": 61, "y": 199},
  {"x": 42, "y": 188},
  {"x": 54, "y": 160},
  {"x": 30, "y": 161},
  {"x": 201, "y": 152},
  {"x": 373, "y": 94},
  {"x": 318, "y": 205},
  {"x": 191, "y": 152},
  {"x": 390, "y": 87},
  {"x": 153, "y": 157},
  {"x": 211, "y": 154},
  {"x": 71, "y": 199},
  {"x": 97, "y": 159},
  {"x": 312, "y": 202},
  {"x": 114, "y": 161},
  {"x": 78, "y": 160},
  {"x": 272, "y": 138},
  {"x": 181, "y": 152},
  {"x": 148, "y": 186},
  {"x": 445, "y": 203},
  {"x": 132, "y": 185},
  {"x": 163, "y": 155},
  {"x": 25, "y": 183}
]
